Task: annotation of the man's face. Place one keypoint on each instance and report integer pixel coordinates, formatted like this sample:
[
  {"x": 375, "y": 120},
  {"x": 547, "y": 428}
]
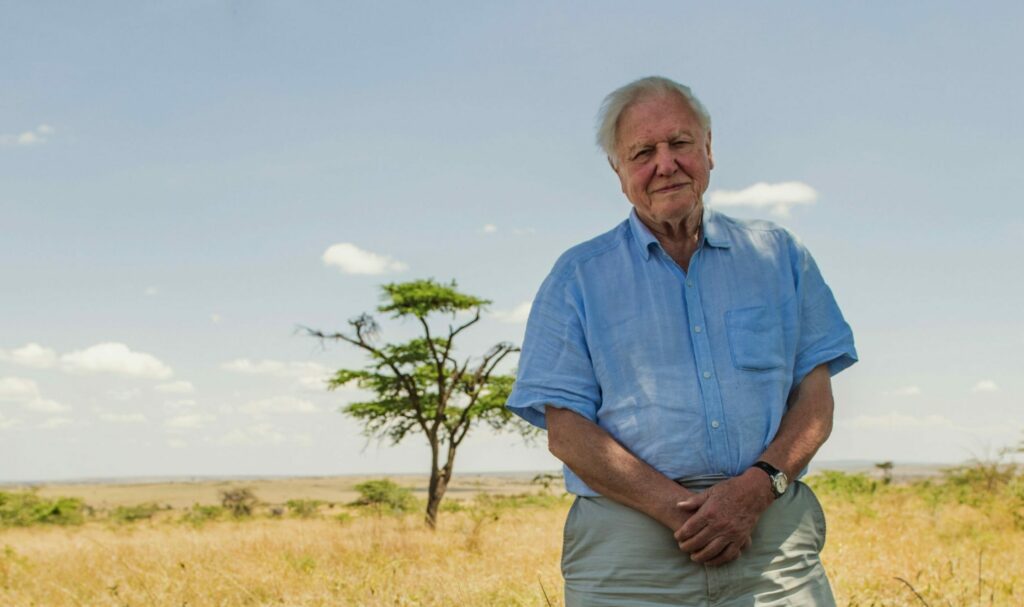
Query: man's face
[{"x": 664, "y": 159}]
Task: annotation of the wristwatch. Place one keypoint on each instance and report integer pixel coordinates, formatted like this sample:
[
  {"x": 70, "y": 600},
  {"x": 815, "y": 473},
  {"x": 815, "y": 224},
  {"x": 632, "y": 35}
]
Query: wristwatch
[{"x": 778, "y": 478}]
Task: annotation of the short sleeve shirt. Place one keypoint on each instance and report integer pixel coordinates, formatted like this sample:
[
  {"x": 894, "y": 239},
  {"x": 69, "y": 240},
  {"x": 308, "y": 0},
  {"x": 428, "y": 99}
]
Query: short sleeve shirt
[{"x": 690, "y": 371}]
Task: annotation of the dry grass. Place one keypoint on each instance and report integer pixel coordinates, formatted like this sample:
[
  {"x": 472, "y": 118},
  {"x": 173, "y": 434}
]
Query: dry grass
[{"x": 474, "y": 559}]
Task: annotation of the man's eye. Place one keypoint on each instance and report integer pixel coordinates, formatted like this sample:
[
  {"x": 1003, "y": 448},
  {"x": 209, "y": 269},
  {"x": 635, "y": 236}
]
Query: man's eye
[
  {"x": 641, "y": 153},
  {"x": 680, "y": 143}
]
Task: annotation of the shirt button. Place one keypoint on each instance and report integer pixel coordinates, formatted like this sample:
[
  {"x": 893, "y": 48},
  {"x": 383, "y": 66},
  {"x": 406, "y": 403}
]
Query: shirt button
[
  {"x": 689, "y": 283},
  {"x": 715, "y": 424},
  {"x": 707, "y": 375},
  {"x": 698, "y": 329}
]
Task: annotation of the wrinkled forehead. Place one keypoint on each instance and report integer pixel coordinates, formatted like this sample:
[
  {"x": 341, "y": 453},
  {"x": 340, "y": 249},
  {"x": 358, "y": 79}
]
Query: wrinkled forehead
[{"x": 655, "y": 117}]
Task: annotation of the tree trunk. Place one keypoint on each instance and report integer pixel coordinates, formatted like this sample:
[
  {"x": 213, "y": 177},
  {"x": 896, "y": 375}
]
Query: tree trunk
[
  {"x": 439, "y": 479},
  {"x": 438, "y": 486},
  {"x": 438, "y": 482}
]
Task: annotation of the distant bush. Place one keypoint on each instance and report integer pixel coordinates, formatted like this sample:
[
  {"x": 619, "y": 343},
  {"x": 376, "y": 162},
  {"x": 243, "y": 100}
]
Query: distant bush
[
  {"x": 239, "y": 502},
  {"x": 131, "y": 514},
  {"x": 842, "y": 484},
  {"x": 27, "y": 508},
  {"x": 304, "y": 508},
  {"x": 507, "y": 502},
  {"x": 385, "y": 494},
  {"x": 199, "y": 514}
]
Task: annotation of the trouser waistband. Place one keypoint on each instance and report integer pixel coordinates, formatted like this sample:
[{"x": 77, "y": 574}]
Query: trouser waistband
[{"x": 701, "y": 481}]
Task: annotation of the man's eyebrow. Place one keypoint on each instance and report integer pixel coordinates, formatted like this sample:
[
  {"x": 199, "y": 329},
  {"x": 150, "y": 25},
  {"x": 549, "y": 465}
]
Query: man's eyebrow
[{"x": 647, "y": 142}]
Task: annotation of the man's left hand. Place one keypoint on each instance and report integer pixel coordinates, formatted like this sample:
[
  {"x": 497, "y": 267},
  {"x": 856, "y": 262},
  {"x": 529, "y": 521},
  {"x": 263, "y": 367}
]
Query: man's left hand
[{"x": 725, "y": 518}]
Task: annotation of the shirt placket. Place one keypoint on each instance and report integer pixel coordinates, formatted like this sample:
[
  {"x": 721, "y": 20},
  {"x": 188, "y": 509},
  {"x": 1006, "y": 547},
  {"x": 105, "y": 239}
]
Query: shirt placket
[{"x": 711, "y": 393}]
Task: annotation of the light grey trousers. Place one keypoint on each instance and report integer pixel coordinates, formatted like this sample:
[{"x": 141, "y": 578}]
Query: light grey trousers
[{"x": 613, "y": 555}]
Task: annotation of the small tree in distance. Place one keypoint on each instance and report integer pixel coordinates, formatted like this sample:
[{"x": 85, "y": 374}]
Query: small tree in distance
[{"x": 419, "y": 385}]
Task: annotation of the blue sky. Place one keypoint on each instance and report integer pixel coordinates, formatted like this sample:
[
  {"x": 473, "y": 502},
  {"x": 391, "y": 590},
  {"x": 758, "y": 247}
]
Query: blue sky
[{"x": 171, "y": 177}]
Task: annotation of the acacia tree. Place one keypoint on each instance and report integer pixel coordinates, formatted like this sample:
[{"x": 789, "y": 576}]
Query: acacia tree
[{"x": 419, "y": 386}]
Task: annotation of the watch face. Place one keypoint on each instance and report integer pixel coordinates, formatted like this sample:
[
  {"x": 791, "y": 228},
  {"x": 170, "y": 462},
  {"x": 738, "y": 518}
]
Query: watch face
[{"x": 780, "y": 483}]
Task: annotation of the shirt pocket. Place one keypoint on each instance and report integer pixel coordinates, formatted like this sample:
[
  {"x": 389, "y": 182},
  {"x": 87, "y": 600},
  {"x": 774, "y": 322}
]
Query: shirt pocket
[{"x": 755, "y": 338}]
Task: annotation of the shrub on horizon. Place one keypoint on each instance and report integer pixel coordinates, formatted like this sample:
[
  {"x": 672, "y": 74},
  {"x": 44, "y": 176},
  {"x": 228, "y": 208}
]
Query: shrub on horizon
[{"x": 27, "y": 508}]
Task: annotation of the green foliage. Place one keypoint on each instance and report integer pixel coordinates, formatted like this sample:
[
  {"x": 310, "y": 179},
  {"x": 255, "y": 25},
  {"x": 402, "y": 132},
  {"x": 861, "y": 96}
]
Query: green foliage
[
  {"x": 21, "y": 509},
  {"x": 842, "y": 484},
  {"x": 304, "y": 508},
  {"x": 519, "y": 500},
  {"x": 239, "y": 502},
  {"x": 386, "y": 495},
  {"x": 422, "y": 297},
  {"x": 199, "y": 514},
  {"x": 131, "y": 514}
]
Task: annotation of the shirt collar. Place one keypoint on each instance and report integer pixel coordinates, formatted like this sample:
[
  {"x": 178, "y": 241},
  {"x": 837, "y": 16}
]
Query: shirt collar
[{"x": 713, "y": 233}]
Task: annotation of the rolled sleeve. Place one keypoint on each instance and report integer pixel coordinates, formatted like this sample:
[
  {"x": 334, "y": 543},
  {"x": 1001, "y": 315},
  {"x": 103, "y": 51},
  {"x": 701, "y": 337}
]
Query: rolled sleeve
[
  {"x": 824, "y": 337},
  {"x": 555, "y": 367}
]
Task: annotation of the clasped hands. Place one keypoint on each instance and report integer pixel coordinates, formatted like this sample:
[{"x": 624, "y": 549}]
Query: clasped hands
[{"x": 719, "y": 522}]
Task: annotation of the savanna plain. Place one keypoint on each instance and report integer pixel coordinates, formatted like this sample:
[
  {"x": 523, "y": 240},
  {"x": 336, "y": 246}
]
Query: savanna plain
[{"x": 954, "y": 539}]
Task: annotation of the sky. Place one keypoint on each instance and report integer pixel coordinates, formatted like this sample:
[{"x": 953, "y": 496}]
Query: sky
[{"x": 184, "y": 184}]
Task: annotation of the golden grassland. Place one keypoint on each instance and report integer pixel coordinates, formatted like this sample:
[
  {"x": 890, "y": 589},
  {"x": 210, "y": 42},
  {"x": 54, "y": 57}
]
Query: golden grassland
[{"x": 956, "y": 545}]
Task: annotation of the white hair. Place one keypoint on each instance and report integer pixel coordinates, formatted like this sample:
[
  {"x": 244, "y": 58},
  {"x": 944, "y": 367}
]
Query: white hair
[{"x": 621, "y": 98}]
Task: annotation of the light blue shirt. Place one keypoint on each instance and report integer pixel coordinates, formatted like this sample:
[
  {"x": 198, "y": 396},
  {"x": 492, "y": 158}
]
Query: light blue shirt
[{"x": 690, "y": 371}]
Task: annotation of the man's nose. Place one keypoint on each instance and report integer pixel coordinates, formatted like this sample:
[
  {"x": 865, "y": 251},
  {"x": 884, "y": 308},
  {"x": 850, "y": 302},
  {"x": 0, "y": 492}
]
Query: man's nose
[{"x": 664, "y": 161}]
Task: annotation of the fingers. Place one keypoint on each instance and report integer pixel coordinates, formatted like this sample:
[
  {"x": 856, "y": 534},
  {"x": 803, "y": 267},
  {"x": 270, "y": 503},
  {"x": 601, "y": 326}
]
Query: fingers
[
  {"x": 708, "y": 553},
  {"x": 696, "y": 542},
  {"x": 731, "y": 553},
  {"x": 694, "y": 501}
]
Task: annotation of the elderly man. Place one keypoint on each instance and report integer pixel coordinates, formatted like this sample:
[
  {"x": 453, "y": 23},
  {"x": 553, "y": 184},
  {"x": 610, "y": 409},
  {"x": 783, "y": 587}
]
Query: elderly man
[{"x": 681, "y": 364}]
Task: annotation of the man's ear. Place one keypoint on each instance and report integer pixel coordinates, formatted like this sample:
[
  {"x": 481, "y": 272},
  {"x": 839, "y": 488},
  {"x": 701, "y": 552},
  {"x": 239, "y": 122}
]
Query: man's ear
[
  {"x": 711, "y": 157},
  {"x": 612, "y": 164}
]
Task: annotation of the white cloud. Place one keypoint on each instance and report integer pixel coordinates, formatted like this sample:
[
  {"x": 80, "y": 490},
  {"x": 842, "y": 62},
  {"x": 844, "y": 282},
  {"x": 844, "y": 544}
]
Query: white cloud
[
  {"x": 489, "y": 228},
  {"x": 261, "y": 434},
  {"x": 309, "y": 375},
  {"x": 45, "y": 405},
  {"x": 188, "y": 421},
  {"x": 176, "y": 443},
  {"x": 55, "y": 422},
  {"x": 123, "y": 394},
  {"x": 779, "y": 196},
  {"x": 17, "y": 389},
  {"x": 151, "y": 291},
  {"x": 906, "y": 391},
  {"x": 8, "y": 422},
  {"x": 176, "y": 387},
  {"x": 518, "y": 314},
  {"x": 899, "y": 420},
  {"x": 25, "y": 392},
  {"x": 215, "y": 318},
  {"x": 113, "y": 357},
  {"x": 123, "y": 418},
  {"x": 985, "y": 385},
  {"x": 36, "y": 136},
  {"x": 278, "y": 405},
  {"x": 184, "y": 403},
  {"x": 353, "y": 260},
  {"x": 30, "y": 355}
]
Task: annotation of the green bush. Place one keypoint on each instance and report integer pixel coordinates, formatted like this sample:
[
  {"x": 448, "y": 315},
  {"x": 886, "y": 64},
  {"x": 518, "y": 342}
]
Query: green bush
[
  {"x": 199, "y": 514},
  {"x": 304, "y": 508},
  {"x": 239, "y": 502},
  {"x": 386, "y": 495},
  {"x": 540, "y": 499},
  {"x": 131, "y": 514},
  {"x": 27, "y": 508},
  {"x": 842, "y": 484}
]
